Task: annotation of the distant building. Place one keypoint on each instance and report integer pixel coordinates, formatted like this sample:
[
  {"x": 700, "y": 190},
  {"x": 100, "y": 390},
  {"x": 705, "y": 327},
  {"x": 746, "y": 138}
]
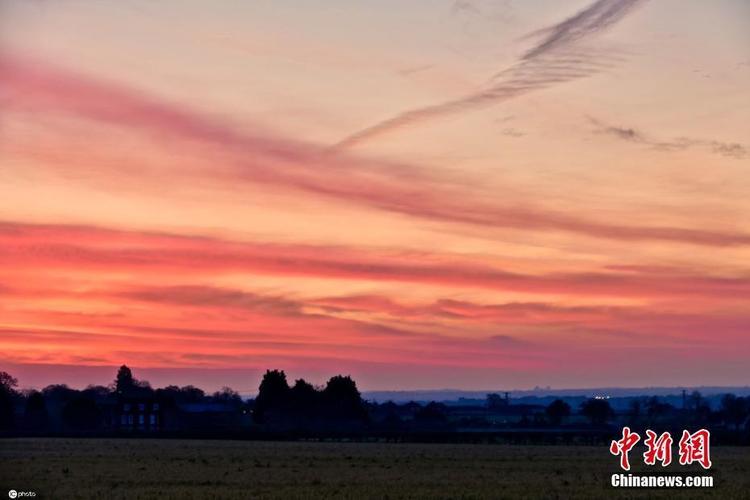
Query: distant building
[{"x": 138, "y": 414}]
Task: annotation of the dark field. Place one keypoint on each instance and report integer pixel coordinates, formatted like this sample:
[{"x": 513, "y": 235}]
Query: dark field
[{"x": 181, "y": 469}]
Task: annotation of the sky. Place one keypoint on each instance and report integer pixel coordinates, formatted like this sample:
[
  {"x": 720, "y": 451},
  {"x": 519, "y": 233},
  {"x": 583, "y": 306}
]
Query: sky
[{"x": 429, "y": 194}]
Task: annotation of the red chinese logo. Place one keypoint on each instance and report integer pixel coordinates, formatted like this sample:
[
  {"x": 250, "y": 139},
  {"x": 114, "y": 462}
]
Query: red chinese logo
[
  {"x": 658, "y": 448},
  {"x": 623, "y": 446},
  {"x": 693, "y": 447}
]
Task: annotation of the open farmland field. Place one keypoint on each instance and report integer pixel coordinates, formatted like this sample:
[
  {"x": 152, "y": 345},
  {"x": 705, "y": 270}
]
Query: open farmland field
[{"x": 182, "y": 469}]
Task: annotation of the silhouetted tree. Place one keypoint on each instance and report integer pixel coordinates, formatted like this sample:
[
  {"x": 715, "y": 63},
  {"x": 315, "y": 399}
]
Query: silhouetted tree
[
  {"x": 432, "y": 413},
  {"x": 7, "y": 394},
  {"x": 392, "y": 422},
  {"x": 8, "y": 382},
  {"x": 635, "y": 409},
  {"x": 273, "y": 393},
  {"x": 143, "y": 384},
  {"x": 81, "y": 414},
  {"x": 655, "y": 409},
  {"x": 700, "y": 411},
  {"x": 694, "y": 400},
  {"x": 227, "y": 396},
  {"x": 557, "y": 411},
  {"x": 36, "y": 416},
  {"x": 190, "y": 394},
  {"x": 734, "y": 409},
  {"x": 411, "y": 408},
  {"x": 389, "y": 407},
  {"x": 58, "y": 394},
  {"x": 125, "y": 382},
  {"x": 97, "y": 392},
  {"x": 305, "y": 399},
  {"x": 342, "y": 398},
  {"x": 597, "y": 410}
]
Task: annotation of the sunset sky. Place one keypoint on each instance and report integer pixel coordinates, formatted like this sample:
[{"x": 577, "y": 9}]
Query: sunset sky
[{"x": 473, "y": 194}]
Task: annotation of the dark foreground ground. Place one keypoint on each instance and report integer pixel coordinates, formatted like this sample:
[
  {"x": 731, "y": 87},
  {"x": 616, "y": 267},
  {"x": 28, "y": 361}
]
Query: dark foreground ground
[{"x": 181, "y": 469}]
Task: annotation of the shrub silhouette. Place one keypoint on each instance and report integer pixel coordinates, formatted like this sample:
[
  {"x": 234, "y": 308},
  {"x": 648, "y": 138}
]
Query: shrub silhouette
[
  {"x": 81, "y": 414},
  {"x": 597, "y": 411},
  {"x": 303, "y": 404},
  {"x": 227, "y": 396},
  {"x": 36, "y": 416},
  {"x": 6, "y": 410},
  {"x": 7, "y": 394},
  {"x": 557, "y": 411},
  {"x": 432, "y": 413},
  {"x": 735, "y": 410}
]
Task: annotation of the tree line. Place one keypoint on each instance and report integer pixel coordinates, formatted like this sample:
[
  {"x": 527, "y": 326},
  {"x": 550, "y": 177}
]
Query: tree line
[
  {"x": 338, "y": 406},
  {"x": 59, "y": 407}
]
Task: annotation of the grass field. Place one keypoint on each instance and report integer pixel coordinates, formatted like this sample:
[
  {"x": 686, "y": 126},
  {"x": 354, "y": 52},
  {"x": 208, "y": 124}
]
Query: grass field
[{"x": 181, "y": 469}]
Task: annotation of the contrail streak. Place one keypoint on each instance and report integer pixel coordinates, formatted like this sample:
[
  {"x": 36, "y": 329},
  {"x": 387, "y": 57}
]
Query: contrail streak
[{"x": 553, "y": 60}]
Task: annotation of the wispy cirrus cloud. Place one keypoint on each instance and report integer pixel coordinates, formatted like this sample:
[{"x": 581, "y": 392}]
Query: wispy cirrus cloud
[
  {"x": 263, "y": 158},
  {"x": 464, "y": 7},
  {"x": 637, "y": 136},
  {"x": 556, "y": 58}
]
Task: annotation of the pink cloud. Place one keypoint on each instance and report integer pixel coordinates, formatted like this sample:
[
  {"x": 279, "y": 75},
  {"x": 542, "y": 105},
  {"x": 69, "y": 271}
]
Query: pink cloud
[
  {"x": 261, "y": 157},
  {"x": 29, "y": 246}
]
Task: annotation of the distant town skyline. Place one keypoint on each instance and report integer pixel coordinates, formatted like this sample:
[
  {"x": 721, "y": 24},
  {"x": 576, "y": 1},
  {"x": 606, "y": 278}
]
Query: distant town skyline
[{"x": 422, "y": 195}]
